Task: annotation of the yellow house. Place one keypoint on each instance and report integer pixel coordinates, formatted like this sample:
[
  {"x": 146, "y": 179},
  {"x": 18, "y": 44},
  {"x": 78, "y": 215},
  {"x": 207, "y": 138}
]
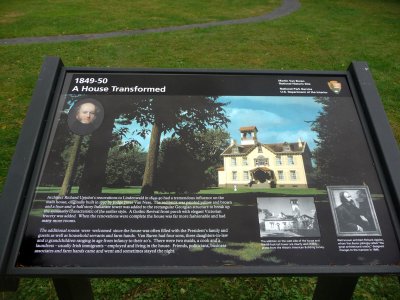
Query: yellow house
[{"x": 257, "y": 165}]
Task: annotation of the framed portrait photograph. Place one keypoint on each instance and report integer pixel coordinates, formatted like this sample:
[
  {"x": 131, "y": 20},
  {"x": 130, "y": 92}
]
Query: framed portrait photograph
[
  {"x": 85, "y": 116},
  {"x": 353, "y": 211}
]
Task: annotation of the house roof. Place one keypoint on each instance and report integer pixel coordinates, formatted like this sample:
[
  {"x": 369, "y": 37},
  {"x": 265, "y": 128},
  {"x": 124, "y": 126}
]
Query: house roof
[
  {"x": 280, "y": 148},
  {"x": 308, "y": 217},
  {"x": 284, "y": 147},
  {"x": 242, "y": 150},
  {"x": 248, "y": 128},
  {"x": 286, "y": 217},
  {"x": 276, "y": 218},
  {"x": 264, "y": 169}
]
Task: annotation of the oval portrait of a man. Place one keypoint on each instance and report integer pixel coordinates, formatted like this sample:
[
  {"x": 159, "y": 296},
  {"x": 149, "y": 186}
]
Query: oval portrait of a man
[{"x": 85, "y": 116}]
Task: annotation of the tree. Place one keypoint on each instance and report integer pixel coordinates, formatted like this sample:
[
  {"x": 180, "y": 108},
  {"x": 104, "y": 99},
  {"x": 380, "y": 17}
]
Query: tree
[
  {"x": 341, "y": 155},
  {"x": 182, "y": 115},
  {"x": 93, "y": 173},
  {"x": 125, "y": 165},
  {"x": 85, "y": 164},
  {"x": 65, "y": 159},
  {"x": 209, "y": 144},
  {"x": 190, "y": 165},
  {"x": 55, "y": 162},
  {"x": 129, "y": 109},
  {"x": 179, "y": 170},
  {"x": 207, "y": 147},
  {"x": 71, "y": 165}
]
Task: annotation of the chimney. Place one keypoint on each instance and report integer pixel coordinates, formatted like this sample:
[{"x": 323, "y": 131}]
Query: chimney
[
  {"x": 300, "y": 143},
  {"x": 295, "y": 207}
]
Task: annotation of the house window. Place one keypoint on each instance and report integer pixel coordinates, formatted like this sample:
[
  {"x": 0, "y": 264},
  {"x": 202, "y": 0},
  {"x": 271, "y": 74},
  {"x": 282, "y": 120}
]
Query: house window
[
  {"x": 245, "y": 175},
  {"x": 233, "y": 161},
  {"x": 280, "y": 175},
  {"x": 260, "y": 149},
  {"x": 245, "y": 163},
  {"x": 271, "y": 224},
  {"x": 234, "y": 175},
  {"x": 290, "y": 160},
  {"x": 278, "y": 160},
  {"x": 235, "y": 150},
  {"x": 286, "y": 147},
  {"x": 260, "y": 161},
  {"x": 293, "y": 175}
]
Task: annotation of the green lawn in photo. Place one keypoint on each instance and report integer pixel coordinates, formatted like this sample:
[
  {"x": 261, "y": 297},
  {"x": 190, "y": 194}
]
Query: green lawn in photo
[
  {"x": 54, "y": 190},
  {"x": 106, "y": 190},
  {"x": 270, "y": 191},
  {"x": 322, "y": 35},
  {"x": 214, "y": 190}
]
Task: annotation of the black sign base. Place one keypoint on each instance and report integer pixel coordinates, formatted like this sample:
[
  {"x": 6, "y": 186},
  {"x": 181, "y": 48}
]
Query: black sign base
[
  {"x": 73, "y": 288},
  {"x": 8, "y": 284},
  {"x": 335, "y": 287}
]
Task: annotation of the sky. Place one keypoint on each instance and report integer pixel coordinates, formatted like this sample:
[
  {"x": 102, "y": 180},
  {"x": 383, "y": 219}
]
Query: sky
[{"x": 278, "y": 118}]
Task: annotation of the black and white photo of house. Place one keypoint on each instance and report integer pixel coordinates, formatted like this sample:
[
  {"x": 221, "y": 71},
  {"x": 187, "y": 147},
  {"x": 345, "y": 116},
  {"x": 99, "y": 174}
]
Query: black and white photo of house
[{"x": 287, "y": 217}]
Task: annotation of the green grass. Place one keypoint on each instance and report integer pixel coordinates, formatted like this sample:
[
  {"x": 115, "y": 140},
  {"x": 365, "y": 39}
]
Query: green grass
[
  {"x": 40, "y": 18},
  {"x": 323, "y": 35},
  {"x": 208, "y": 287}
]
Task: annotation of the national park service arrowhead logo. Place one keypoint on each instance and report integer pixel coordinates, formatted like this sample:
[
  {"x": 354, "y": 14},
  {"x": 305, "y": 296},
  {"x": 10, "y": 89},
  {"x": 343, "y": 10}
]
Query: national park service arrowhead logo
[{"x": 335, "y": 86}]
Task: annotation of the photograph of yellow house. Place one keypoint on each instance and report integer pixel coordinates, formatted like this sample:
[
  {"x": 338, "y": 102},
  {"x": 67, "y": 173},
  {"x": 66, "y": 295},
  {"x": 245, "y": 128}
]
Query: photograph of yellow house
[{"x": 259, "y": 165}]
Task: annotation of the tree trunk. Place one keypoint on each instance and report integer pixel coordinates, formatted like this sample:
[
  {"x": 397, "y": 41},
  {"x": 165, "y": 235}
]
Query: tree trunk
[
  {"x": 94, "y": 170},
  {"x": 65, "y": 187},
  {"x": 151, "y": 162}
]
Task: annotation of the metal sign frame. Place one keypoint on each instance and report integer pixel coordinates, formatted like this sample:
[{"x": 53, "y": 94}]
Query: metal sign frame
[{"x": 15, "y": 202}]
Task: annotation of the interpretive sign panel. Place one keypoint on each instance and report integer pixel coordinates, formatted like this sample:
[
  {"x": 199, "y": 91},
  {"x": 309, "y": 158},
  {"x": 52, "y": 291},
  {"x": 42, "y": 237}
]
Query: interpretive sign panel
[{"x": 206, "y": 172}]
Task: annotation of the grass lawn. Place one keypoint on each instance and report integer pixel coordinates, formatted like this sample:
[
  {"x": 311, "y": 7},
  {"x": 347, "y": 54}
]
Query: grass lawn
[
  {"x": 220, "y": 288},
  {"x": 40, "y": 18},
  {"x": 322, "y": 35}
]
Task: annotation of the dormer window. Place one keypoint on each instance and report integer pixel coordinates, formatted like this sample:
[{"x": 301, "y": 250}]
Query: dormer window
[
  {"x": 286, "y": 147},
  {"x": 235, "y": 150}
]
